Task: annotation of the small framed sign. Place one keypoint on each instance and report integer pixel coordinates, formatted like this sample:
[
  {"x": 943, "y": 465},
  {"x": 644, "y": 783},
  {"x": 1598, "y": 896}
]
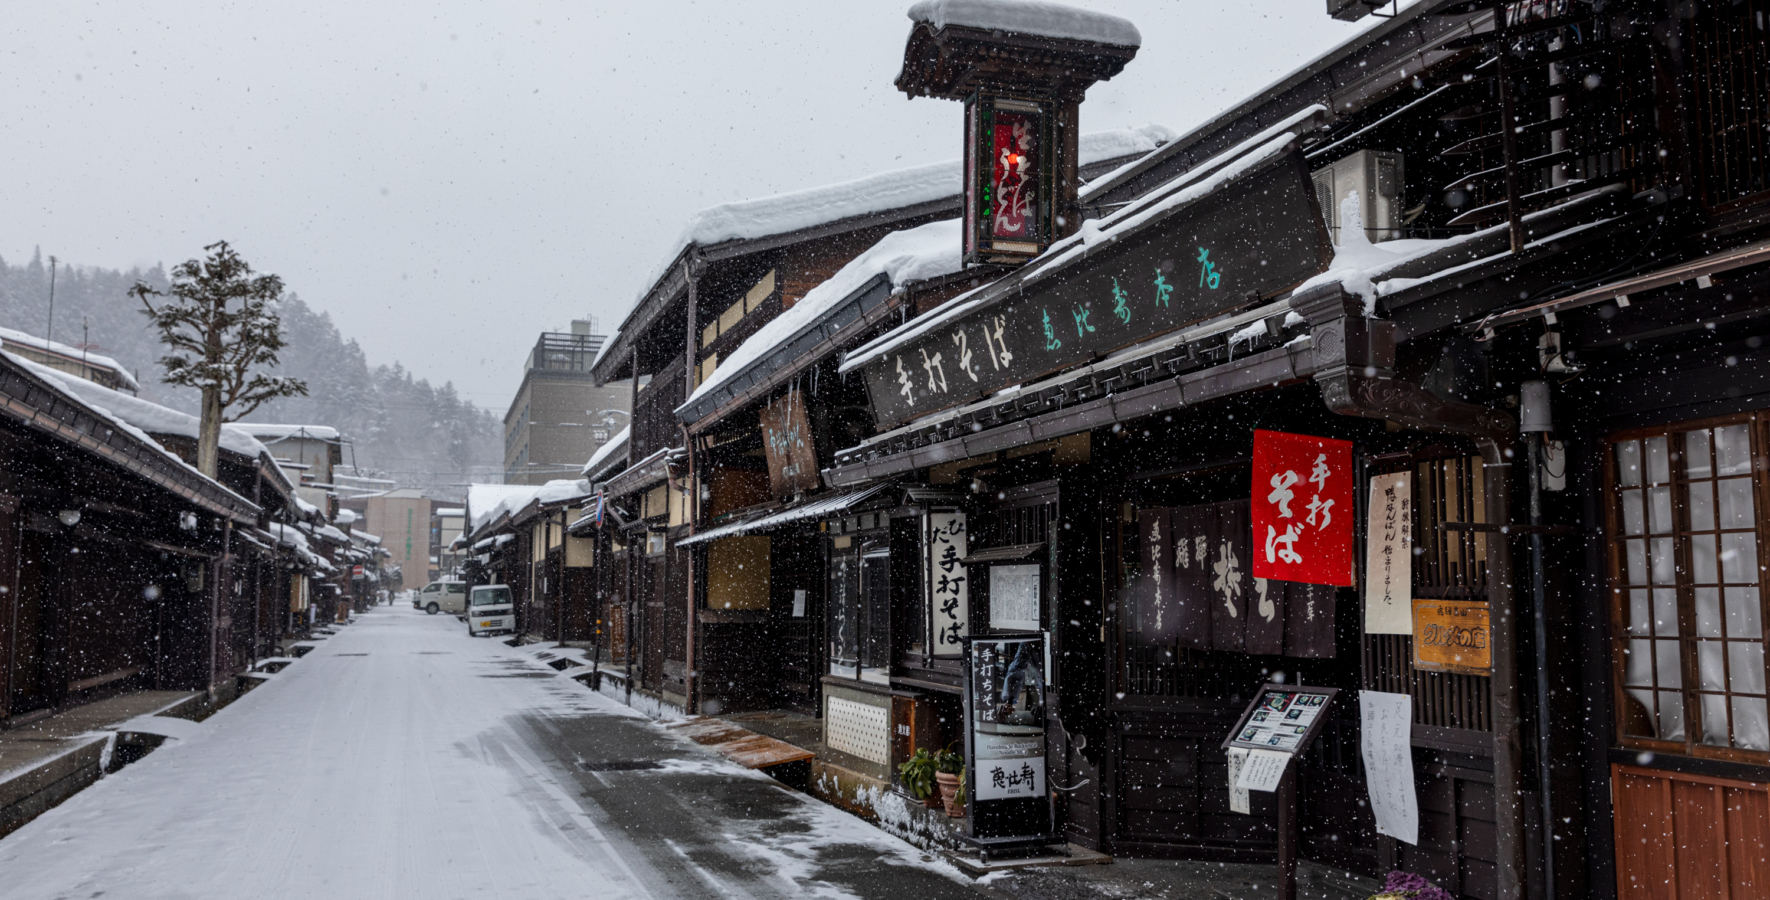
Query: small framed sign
[
  {"x": 1452, "y": 636},
  {"x": 1282, "y": 717}
]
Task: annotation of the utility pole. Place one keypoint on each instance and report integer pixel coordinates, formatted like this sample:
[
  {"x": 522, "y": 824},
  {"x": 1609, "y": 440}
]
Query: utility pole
[{"x": 49, "y": 330}]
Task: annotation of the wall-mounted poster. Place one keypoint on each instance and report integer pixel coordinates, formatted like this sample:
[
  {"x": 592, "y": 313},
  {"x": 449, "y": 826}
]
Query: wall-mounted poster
[
  {"x": 949, "y": 596},
  {"x": 1302, "y": 508},
  {"x": 1014, "y": 597},
  {"x": 1389, "y": 556}
]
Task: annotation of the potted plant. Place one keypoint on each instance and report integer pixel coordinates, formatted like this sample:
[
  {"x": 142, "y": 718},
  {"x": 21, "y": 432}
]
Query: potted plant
[
  {"x": 918, "y": 773},
  {"x": 950, "y": 775}
]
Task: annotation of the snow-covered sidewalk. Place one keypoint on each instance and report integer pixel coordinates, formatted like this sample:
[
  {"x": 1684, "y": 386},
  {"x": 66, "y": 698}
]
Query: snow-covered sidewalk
[{"x": 405, "y": 759}]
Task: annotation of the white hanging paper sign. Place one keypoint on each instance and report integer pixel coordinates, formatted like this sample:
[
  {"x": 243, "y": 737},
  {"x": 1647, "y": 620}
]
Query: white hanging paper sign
[
  {"x": 1387, "y": 721},
  {"x": 1389, "y": 556},
  {"x": 1238, "y": 795},
  {"x": 798, "y": 604},
  {"x": 1263, "y": 770}
]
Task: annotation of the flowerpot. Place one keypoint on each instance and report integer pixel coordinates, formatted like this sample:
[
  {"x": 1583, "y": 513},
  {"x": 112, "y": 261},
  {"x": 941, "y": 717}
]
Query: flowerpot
[
  {"x": 949, "y": 794},
  {"x": 932, "y": 801}
]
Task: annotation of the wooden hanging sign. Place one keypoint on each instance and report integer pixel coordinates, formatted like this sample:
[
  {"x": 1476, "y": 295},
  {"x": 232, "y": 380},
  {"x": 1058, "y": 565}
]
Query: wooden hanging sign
[{"x": 1452, "y": 636}]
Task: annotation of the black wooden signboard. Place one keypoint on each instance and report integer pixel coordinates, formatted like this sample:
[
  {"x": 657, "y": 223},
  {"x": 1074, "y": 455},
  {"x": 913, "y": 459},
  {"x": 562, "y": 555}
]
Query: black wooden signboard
[{"x": 1253, "y": 237}]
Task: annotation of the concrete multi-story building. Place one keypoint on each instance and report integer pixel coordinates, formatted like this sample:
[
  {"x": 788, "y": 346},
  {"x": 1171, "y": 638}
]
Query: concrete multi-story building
[{"x": 560, "y": 416}]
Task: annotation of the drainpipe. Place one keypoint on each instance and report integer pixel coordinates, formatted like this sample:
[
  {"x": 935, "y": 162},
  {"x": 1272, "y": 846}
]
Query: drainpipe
[
  {"x": 690, "y": 497},
  {"x": 1354, "y": 360}
]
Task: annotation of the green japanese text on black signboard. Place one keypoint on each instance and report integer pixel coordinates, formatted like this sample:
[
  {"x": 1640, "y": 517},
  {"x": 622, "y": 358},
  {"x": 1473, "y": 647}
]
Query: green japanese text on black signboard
[{"x": 1255, "y": 237}]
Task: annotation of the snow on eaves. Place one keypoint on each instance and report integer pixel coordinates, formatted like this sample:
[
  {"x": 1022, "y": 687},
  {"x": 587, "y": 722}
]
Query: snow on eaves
[
  {"x": 9, "y": 336},
  {"x": 915, "y": 254},
  {"x": 106, "y": 404},
  {"x": 1034, "y": 17},
  {"x": 1182, "y": 190},
  {"x": 147, "y": 416},
  {"x": 874, "y": 194},
  {"x": 451, "y": 511},
  {"x": 616, "y": 444},
  {"x": 483, "y": 498},
  {"x": 271, "y": 433}
]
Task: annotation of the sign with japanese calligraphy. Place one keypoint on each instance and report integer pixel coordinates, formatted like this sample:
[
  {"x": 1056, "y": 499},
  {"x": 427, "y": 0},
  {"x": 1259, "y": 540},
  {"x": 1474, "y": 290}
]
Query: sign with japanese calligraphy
[
  {"x": 1005, "y": 736},
  {"x": 1388, "y": 556},
  {"x": 786, "y": 440},
  {"x": 949, "y": 595},
  {"x": 1247, "y": 240},
  {"x": 1302, "y": 508},
  {"x": 1386, "y": 742},
  {"x": 1452, "y": 636}
]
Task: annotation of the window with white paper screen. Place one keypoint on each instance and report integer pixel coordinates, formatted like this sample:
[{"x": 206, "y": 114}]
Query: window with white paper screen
[{"x": 1686, "y": 527}]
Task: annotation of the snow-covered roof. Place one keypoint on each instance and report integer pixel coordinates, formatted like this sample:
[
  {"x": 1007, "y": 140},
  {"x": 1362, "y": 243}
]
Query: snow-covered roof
[
  {"x": 272, "y": 433},
  {"x": 146, "y": 416},
  {"x": 1182, "y": 190},
  {"x": 332, "y": 534},
  {"x": 365, "y": 536},
  {"x": 927, "y": 251},
  {"x": 346, "y": 516},
  {"x": 123, "y": 410},
  {"x": 482, "y": 499},
  {"x": 9, "y": 336},
  {"x": 797, "y": 210},
  {"x": 606, "y": 452},
  {"x": 1035, "y": 17},
  {"x": 456, "y": 510}
]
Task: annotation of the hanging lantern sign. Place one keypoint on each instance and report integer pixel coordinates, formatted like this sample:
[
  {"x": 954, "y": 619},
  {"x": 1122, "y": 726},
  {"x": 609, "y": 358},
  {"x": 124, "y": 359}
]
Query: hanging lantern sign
[
  {"x": 1302, "y": 508},
  {"x": 1009, "y": 169}
]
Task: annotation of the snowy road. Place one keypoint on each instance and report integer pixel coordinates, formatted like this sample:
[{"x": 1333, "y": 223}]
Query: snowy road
[{"x": 403, "y": 759}]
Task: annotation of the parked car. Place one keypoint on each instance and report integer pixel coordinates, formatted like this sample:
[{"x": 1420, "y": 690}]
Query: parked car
[
  {"x": 490, "y": 610},
  {"x": 442, "y": 596}
]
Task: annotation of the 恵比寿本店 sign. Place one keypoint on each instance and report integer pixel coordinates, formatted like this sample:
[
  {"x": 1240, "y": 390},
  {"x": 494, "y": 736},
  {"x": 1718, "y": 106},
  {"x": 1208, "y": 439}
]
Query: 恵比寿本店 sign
[
  {"x": 1302, "y": 508},
  {"x": 1248, "y": 239}
]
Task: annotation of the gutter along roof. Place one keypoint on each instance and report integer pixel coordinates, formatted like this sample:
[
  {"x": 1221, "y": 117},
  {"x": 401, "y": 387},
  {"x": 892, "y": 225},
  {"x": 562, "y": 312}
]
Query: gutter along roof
[{"x": 46, "y": 404}]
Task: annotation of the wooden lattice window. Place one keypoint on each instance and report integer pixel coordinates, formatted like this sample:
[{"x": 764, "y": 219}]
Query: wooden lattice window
[
  {"x": 1730, "y": 55},
  {"x": 1448, "y": 563},
  {"x": 1686, "y": 529}
]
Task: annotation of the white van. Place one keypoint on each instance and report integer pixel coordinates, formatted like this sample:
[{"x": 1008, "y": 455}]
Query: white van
[
  {"x": 442, "y": 596},
  {"x": 490, "y": 610}
]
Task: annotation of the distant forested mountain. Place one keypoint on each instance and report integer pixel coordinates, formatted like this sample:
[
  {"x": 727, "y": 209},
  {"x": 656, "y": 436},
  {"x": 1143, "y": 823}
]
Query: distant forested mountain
[{"x": 401, "y": 427}]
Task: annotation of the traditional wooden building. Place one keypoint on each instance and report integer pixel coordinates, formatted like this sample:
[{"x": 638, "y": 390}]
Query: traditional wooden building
[
  {"x": 1502, "y": 257},
  {"x": 116, "y": 557}
]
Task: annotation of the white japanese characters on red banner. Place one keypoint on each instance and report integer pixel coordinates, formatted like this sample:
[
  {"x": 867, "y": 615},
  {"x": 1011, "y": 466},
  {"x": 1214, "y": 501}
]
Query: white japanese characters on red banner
[{"x": 1302, "y": 508}]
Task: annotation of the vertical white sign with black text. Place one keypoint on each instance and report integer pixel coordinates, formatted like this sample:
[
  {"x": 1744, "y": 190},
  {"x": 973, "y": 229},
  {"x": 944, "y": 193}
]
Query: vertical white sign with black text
[
  {"x": 1389, "y": 556},
  {"x": 949, "y": 594}
]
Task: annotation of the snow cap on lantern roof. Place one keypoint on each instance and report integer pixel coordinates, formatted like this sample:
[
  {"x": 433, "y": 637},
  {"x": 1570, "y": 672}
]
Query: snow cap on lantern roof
[
  {"x": 957, "y": 47},
  {"x": 1034, "y": 17}
]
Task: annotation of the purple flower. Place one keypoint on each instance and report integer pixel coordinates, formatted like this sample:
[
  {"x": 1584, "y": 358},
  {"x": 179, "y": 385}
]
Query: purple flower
[{"x": 1410, "y": 885}]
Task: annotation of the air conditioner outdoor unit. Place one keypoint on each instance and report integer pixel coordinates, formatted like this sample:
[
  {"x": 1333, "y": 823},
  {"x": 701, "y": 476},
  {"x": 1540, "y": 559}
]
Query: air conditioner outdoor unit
[{"x": 1378, "y": 176}]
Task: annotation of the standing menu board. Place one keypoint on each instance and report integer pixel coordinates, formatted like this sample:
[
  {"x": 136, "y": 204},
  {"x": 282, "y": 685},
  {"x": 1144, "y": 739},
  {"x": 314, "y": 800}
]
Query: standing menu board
[
  {"x": 1282, "y": 717},
  {"x": 1010, "y": 799}
]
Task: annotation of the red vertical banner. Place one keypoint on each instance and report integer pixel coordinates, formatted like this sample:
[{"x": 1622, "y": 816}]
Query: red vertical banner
[{"x": 1302, "y": 508}]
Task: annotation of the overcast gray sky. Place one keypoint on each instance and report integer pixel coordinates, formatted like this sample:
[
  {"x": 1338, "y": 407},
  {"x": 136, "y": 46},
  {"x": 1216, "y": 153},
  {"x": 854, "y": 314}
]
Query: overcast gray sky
[{"x": 450, "y": 178}]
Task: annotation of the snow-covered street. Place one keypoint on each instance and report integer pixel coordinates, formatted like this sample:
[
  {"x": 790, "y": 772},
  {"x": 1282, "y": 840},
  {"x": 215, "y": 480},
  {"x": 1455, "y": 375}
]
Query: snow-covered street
[{"x": 404, "y": 759}]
